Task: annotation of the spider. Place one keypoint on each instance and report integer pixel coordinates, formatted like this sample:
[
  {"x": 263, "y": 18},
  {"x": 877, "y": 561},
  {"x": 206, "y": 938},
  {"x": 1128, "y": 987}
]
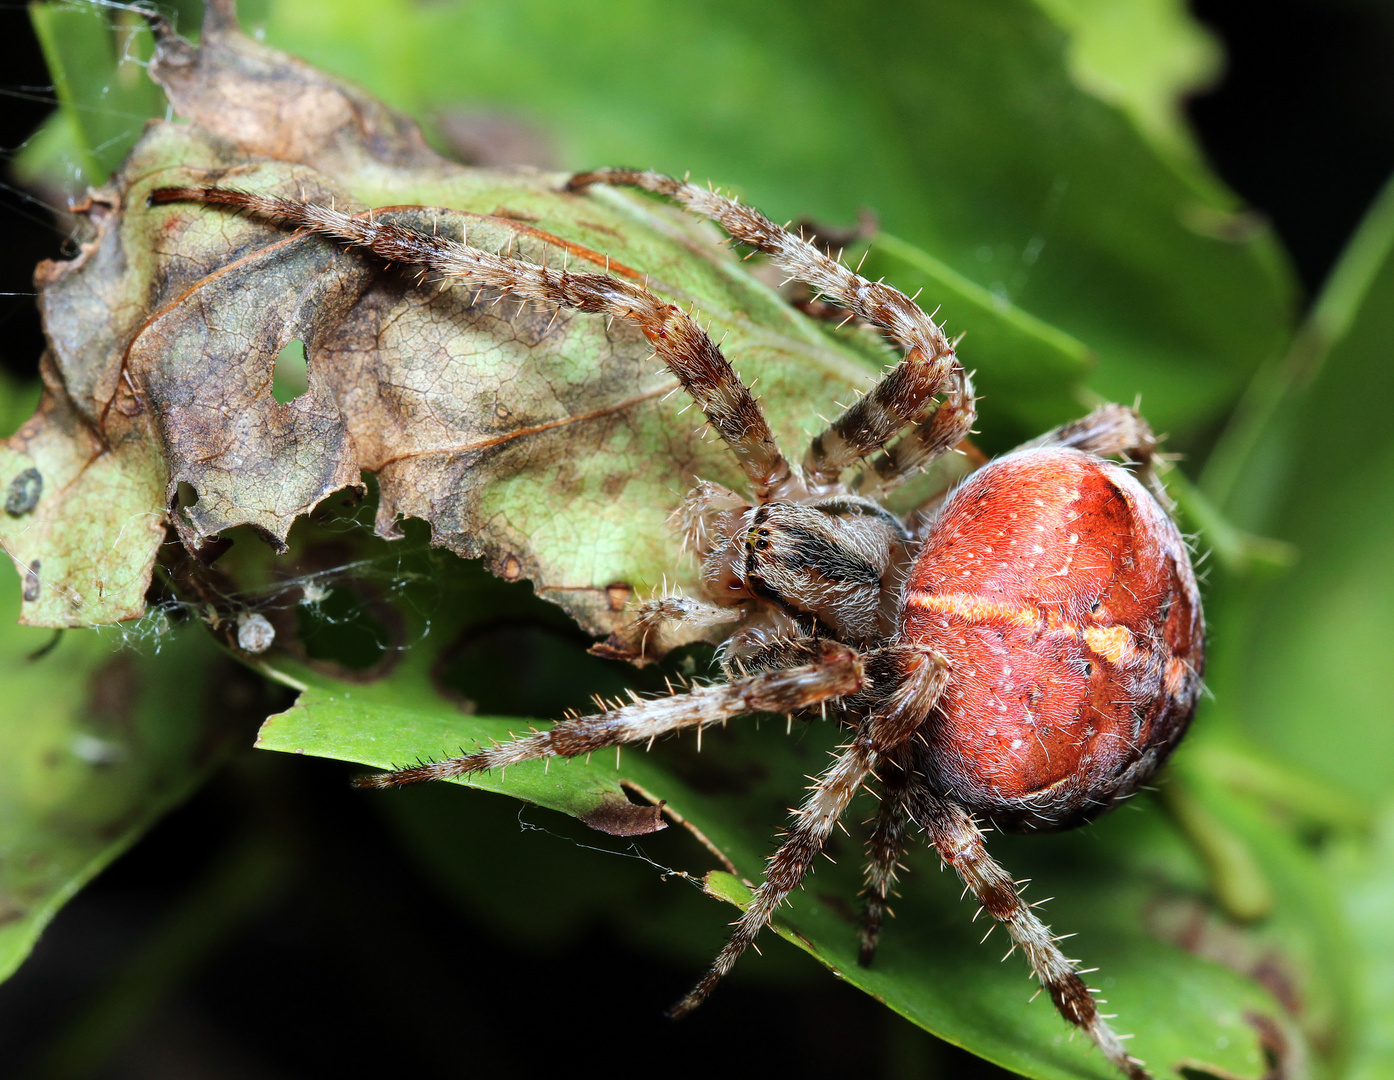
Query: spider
[{"x": 1025, "y": 652}]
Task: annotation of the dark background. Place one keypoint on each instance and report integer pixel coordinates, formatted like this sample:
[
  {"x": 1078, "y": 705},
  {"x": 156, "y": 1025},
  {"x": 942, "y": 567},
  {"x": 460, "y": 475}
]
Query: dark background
[{"x": 1301, "y": 125}]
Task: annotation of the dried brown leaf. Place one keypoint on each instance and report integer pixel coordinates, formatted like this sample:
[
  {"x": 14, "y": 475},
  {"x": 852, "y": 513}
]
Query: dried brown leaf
[{"x": 533, "y": 438}]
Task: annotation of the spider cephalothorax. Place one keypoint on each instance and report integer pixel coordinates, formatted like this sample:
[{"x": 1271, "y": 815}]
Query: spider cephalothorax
[{"x": 1027, "y": 650}]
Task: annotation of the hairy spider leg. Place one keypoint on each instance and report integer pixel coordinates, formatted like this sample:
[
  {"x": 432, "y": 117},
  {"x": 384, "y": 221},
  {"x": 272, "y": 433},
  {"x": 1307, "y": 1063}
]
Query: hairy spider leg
[
  {"x": 694, "y": 616},
  {"x": 884, "y": 849},
  {"x": 1108, "y": 431},
  {"x": 1112, "y": 431},
  {"x": 917, "y": 448},
  {"x": 785, "y": 870},
  {"x": 923, "y": 675},
  {"x": 688, "y": 351},
  {"x": 959, "y": 841},
  {"x": 835, "y": 672},
  {"x": 904, "y": 396}
]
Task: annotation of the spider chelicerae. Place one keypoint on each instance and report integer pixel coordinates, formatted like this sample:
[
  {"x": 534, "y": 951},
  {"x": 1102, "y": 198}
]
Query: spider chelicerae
[{"x": 1025, "y": 651}]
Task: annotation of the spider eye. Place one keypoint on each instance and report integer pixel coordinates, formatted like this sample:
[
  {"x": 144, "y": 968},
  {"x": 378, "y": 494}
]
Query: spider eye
[{"x": 757, "y": 540}]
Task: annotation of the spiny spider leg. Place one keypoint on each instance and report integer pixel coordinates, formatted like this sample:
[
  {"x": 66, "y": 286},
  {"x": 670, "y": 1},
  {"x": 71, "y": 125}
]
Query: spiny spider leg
[
  {"x": 1109, "y": 431},
  {"x": 923, "y": 675},
  {"x": 959, "y": 841},
  {"x": 789, "y": 865},
  {"x": 835, "y": 672},
  {"x": 687, "y": 350},
  {"x": 884, "y": 848},
  {"x": 676, "y": 608},
  {"x": 766, "y": 648},
  {"x": 666, "y": 622},
  {"x": 919, "y": 446},
  {"x": 901, "y": 397}
]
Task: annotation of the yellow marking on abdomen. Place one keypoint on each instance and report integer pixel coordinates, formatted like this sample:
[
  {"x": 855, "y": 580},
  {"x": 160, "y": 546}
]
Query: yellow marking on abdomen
[
  {"x": 972, "y": 608},
  {"x": 1175, "y": 676},
  {"x": 1113, "y": 643}
]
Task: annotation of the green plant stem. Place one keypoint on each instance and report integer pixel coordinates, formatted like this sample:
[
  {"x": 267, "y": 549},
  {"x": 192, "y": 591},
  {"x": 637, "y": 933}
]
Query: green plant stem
[
  {"x": 1238, "y": 882},
  {"x": 1276, "y": 382},
  {"x": 1238, "y": 551}
]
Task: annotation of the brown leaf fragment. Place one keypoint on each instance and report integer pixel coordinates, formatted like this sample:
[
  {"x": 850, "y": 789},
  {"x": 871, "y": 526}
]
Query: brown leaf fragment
[
  {"x": 617, "y": 816},
  {"x": 536, "y": 439},
  {"x": 669, "y": 812},
  {"x": 277, "y": 106},
  {"x": 205, "y": 365}
]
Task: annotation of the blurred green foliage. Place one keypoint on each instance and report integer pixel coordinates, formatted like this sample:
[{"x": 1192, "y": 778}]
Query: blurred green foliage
[
  {"x": 99, "y": 739},
  {"x": 1028, "y": 158}
]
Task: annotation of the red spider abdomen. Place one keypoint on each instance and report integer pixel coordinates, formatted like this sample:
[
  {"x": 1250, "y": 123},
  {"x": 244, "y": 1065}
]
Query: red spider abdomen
[{"x": 1063, "y": 597}]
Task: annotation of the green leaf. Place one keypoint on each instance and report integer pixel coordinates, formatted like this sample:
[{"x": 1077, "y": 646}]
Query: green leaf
[
  {"x": 960, "y": 124},
  {"x": 97, "y": 742},
  {"x": 1303, "y": 660},
  {"x": 931, "y": 968},
  {"x": 1110, "y": 881},
  {"x": 1365, "y": 876},
  {"x": 1145, "y": 57},
  {"x": 1182, "y": 1008},
  {"x": 97, "y": 60}
]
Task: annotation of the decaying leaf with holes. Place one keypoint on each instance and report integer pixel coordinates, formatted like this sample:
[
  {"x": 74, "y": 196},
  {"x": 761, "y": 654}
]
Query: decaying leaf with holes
[{"x": 534, "y": 438}]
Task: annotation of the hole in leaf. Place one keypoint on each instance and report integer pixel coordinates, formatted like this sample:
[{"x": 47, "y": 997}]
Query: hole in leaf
[
  {"x": 291, "y": 376},
  {"x": 342, "y": 629}
]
